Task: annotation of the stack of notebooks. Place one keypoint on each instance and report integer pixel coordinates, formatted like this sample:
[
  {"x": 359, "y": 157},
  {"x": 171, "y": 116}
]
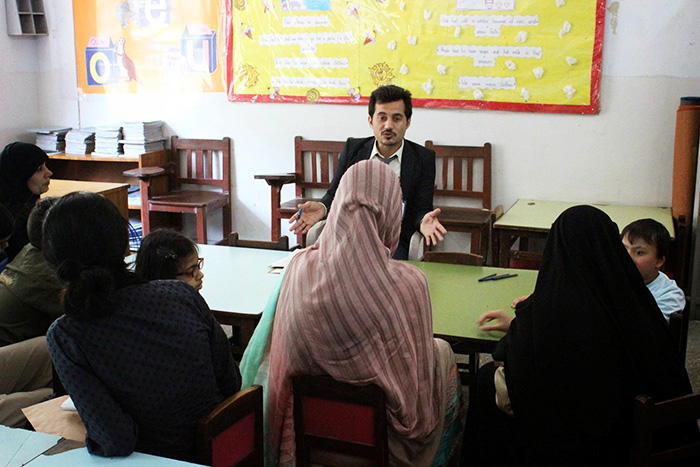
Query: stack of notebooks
[
  {"x": 142, "y": 137},
  {"x": 80, "y": 141},
  {"x": 51, "y": 140},
  {"x": 107, "y": 141}
]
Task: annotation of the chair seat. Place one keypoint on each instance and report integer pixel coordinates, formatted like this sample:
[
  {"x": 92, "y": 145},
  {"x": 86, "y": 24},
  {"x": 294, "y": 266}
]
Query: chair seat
[
  {"x": 464, "y": 217},
  {"x": 292, "y": 206},
  {"x": 190, "y": 198}
]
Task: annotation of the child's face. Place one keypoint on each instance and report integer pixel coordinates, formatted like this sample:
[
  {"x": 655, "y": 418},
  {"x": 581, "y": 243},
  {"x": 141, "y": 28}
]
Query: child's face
[
  {"x": 191, "y": 271},
  {"x": 645, "y": 257}
]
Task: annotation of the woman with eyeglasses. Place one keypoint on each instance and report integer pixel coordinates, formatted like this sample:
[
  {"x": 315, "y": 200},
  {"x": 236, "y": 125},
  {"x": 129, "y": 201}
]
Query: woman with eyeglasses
[
  {"x": 166, "y": 254},
  {"x": 142, "y": 361}
]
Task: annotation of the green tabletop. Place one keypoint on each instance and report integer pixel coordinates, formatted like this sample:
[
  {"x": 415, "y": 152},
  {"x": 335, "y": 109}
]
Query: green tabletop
[
  {"x": 529, "y": 214},
  {"x": 458, "y": 298}
]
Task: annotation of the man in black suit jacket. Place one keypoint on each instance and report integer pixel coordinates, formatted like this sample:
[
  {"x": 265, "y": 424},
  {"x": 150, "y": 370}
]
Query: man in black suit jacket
[{"x": 390, "y": 113}]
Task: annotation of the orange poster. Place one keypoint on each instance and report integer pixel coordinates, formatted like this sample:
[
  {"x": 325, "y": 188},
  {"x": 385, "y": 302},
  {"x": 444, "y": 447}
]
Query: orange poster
[{"x": 148, "y": 46}]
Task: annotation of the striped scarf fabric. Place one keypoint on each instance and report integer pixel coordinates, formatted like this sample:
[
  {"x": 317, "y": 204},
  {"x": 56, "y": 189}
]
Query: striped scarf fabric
[{"x": 348, "y": 310}]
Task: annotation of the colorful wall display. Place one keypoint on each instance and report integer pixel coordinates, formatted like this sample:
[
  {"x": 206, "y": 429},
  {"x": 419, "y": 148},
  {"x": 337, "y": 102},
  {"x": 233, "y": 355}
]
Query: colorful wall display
[
  {"x": 148, "y": 46},
  {"x": 524, "y": 55}
]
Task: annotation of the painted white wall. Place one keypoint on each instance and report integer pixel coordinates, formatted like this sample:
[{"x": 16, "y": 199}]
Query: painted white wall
[
  {"x": 19, "y": 103},
  {"x": 624, "y": 154}
]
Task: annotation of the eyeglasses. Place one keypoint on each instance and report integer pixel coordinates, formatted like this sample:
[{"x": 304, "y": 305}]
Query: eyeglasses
[{"x": 191, "y": 270}]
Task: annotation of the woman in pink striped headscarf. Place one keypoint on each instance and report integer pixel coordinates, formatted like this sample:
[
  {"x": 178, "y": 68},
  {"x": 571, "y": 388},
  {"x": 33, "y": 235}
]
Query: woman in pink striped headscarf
[{"x": 346, "y": 309}]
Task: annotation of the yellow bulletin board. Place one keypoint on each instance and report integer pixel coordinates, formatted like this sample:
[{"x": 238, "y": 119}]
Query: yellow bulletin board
[
  {"x": 525, "y": 55},
  {"x": 148, "y": 45}
]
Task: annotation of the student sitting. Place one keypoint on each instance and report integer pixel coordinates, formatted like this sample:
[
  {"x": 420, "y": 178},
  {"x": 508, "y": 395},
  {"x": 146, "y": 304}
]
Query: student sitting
[
  {"x": 142, "y": 361},
  {"x": 580, "y": 348},
  {"x": 25, "y": 367},
  {"x": 23, "y": 178},
  {"x": 647, "y": 242},
  {"x": 30, "y": 292},
  {"x": 167, "y": 254},
  {"x": 346, "y": 309}
]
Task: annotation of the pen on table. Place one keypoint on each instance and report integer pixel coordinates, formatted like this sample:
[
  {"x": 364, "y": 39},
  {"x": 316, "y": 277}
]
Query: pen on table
[
  {"x": 485, "y": 278},
  {"x": 495, "y": 277},
  {"x": 502, "y": 276}
]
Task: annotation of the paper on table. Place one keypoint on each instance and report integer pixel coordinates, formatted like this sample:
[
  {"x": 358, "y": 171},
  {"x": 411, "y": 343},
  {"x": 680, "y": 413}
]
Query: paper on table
[
  {"x": 282, "y": 263},
  {"x": 68, "y": 405},
  {"x": 47, "y": 417}
]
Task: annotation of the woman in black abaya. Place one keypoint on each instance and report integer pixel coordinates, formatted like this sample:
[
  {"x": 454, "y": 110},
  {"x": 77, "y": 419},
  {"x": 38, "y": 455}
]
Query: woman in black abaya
[
  {"x": 23, "y": 178},
  {"x": 581, "y": 347}
]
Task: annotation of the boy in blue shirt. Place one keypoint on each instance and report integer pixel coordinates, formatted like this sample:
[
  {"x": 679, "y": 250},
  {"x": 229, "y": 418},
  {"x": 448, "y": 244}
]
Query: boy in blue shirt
[{"x": 647, "y": 242}]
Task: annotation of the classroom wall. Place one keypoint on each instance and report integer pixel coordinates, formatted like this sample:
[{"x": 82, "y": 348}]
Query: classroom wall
[
  {"x": 19, "y": 82},
  {"x": 624, "y": 154}
]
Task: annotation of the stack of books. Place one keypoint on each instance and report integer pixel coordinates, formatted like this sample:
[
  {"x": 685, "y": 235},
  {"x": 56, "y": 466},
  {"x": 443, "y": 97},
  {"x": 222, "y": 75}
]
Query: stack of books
[
  {"x": 142, "y": 137},
  {"x": 107, "y": 141},
  {"x": 80, "y": 141},
  {"x": 51, "y": 140}
]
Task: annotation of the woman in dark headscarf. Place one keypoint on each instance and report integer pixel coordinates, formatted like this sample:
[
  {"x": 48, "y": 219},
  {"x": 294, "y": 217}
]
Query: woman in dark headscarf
[
  {"x": 23, "y": 178},
  {"x": 583, "y": 345}
]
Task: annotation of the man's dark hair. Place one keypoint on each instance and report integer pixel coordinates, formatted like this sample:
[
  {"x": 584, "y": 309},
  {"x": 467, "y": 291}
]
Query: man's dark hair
[
  {"x": 391, "y": 93},
  {"x": 652, "y": 232}
]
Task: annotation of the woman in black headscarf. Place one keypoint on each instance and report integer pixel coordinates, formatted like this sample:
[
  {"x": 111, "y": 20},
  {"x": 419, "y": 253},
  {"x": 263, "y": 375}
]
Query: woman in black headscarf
[
  {"x": 23, "y": 178},
  {"x": 582, "y": 346}
]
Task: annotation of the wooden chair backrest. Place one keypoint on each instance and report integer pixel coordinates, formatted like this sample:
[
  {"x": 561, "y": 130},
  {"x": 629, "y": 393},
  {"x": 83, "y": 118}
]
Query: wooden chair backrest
[
  {"x": 199, "y": 162},
  {"x": 453, "y": 257},
  {"x": 650, "y": 416},
  {"x": 281, "y": 244},
  {"x": 232, "y": 433},
  {"x": 337, "y": 417},
  {"x": 457, "y": 170},
  {"x": 678, "y": 325},
  {"x": 315, "y": 163}
]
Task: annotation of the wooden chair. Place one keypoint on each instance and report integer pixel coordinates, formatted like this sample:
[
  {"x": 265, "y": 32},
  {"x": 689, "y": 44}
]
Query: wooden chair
[
  {"x": 339, "y": 419},
  {"x": 315, "y": 163},
  {"x": 457, "y": 175},
  {"x": 453, "y": 257},
  {"x": 282, "y": 243},
  {"x": 650, "y": 416},
  {"x": 199, "y": 169},
  {"x": 678, "y": 325},
  {"x": 232, "y": 433}
]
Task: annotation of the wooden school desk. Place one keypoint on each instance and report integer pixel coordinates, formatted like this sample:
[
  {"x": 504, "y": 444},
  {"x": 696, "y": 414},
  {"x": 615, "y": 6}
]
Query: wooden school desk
[
  {"x": 117, "y": 193},
  {"x": 237, "y": 284},
  {"x": 106, "y": 169},
  {"x": 459, "y": 299},
  {"x": 529, "y": 218}
]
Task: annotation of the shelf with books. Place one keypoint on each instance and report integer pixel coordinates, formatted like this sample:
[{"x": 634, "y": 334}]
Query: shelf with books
[{"x": 105, "y": 168}]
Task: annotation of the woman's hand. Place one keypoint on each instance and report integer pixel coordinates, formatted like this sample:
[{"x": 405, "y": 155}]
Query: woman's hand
[
  {"x": 501, "y": 318},
  {"x": 518, "y": 300}
]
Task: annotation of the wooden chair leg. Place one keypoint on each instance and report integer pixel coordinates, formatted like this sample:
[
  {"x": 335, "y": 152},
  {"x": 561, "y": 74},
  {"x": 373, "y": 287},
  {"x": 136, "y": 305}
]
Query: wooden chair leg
[
  {"x": 475, "y": 240},
  {"x": 228, "y": 227},
  {"x": 145, "y": 209},
  {"x": 201, "y": 226}
]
